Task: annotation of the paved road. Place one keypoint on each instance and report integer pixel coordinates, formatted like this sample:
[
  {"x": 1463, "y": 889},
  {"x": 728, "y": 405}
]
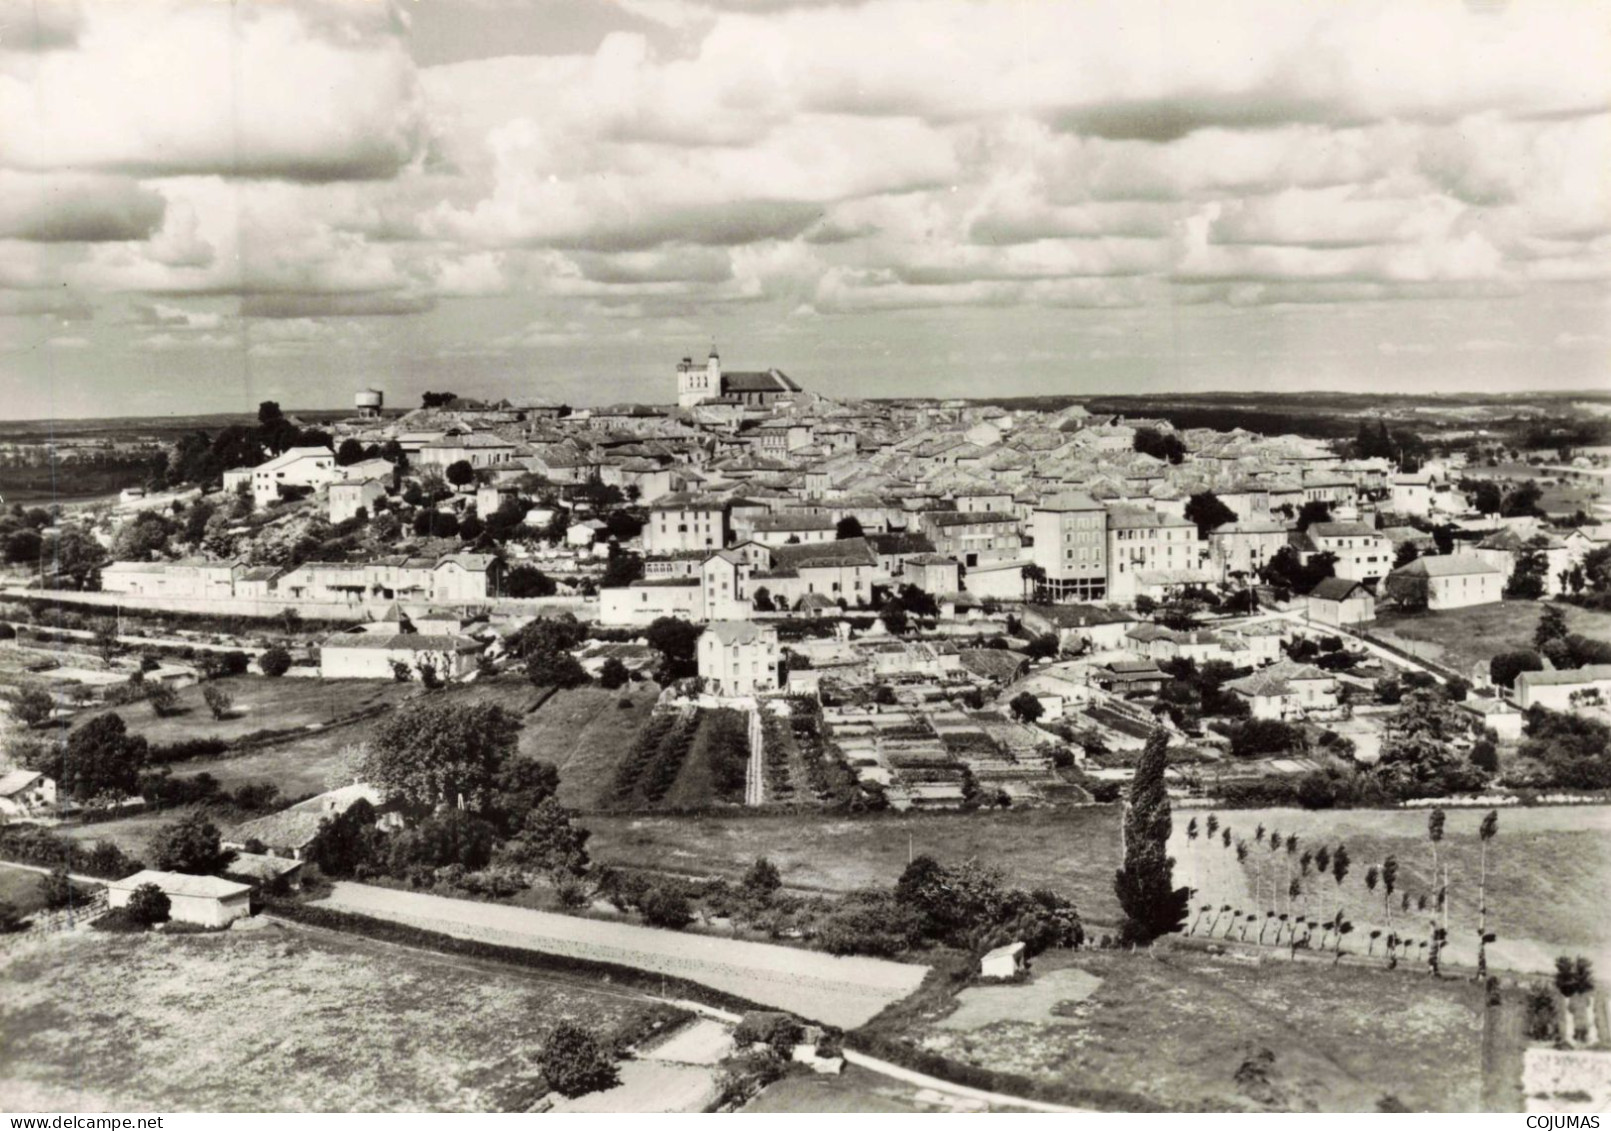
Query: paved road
[{"x": 846, "y": 992}]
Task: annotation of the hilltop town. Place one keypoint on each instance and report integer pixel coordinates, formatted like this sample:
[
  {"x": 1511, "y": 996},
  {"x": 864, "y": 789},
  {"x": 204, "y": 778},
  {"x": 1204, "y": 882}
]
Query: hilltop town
[{"x": 417, "y": 673}]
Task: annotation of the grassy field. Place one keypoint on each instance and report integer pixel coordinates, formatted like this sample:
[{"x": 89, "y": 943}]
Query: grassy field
[
  {"x": 1463, "y": 637},
  {"x": 1072, "y": 850},
  {"x": 1548, "y": 869},
  {"x": 20, "y": 888},
  {"x": 1197, "y": 1033},
  {"x": 584, "y": 732},
  {"x": 260, "y": 704},
  {"x": 1548, "y": 872},
  {"x": 275, "y": 1021}
]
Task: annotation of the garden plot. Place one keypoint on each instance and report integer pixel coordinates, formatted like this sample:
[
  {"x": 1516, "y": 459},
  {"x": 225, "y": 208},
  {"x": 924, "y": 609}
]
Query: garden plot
[{"x": 838, "y": 991}]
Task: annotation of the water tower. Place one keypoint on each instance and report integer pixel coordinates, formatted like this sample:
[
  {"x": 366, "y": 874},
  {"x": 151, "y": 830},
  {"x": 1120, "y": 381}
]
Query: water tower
[{"x": 369, "y": 402}]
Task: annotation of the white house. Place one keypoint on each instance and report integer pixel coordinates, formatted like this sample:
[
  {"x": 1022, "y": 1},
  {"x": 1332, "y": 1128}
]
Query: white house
[
  {"x": 295, "y": 467},
  {"x": 204, "y": 900},
  {"x": 738, "y": 657},
  {"x": 1362, "y": 553},
  {"x": 26, "y": 793},
  {"x": 369, "y": 655},
  {"x": 1286, "y": 690},
  {"x": 348, "y": 496},
  {"x": 1572, "y": 690},
  {"x": 1451, "y": 581}
]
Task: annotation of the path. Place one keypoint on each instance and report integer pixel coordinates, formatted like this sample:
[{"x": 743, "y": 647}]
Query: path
[
  {"x": 754, "y": 774},
  {"x": 908, "y": 1076},
  {"x": 1393, "y": 659},
  {"x": 842, "y": 991}
]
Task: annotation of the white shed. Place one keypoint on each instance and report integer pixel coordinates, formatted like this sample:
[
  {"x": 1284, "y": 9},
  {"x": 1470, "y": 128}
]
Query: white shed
[
  {"x": 1004, "y": 962},
  {"x": 206, "y": 900}
]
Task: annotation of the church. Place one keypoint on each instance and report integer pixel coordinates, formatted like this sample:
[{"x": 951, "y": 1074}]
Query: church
[{"x": 705, "y": 384}]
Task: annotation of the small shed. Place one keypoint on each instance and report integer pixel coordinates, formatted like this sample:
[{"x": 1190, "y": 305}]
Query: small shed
[
  {"x": 1340, "y": 602},
  {"x": 205, "y": 900},
  {"x": 1004, "y": 962}
]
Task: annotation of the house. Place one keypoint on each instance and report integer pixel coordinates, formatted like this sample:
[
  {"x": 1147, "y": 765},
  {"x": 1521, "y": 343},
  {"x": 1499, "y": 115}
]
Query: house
[
  {"x": 792, "y": 529},
  {"x": 1362, "y": 554},
  {"x": 1004, "y": 962},
  {"x": 370, "y": 655},
  {"x": 1070, "y": 536},
  {"x": 1142, "y": 541},
  {"x": 305, "y": 468},
  {"x": 204, "y": 900},
  {"x": 171, "y": 579},
  {"x": 681, "y": 521},
  {"x": 698, "y": 384},
  {"x": 1286, "y": 690},
  {"x": 26, "y": 793},
  {"x": 348, "y": 496},
  {"x": 1446, "y": 581},
  {"x": 973, "y": 537},
  {"x": 478, "y": 449},
  {"x": 1505, "y": 549},
  {"x": 1574, "y": 690},
  {"x": 263, "y": 870},
  {"x": 739, "y": 657},
  {"x": 1338, "y": 601},
  {"x": 1412, "y": 494},
  {"x": 289, "y": 832},
  {"x": 1079, "y": 626}
]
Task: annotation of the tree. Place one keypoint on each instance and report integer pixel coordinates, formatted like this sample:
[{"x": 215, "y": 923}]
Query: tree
[
  {"x": 1487, "y": 497},
  {"x": 460, "y": 473},
  {"x": 1551, "y": 627},
  {"x": 163, "y": 698},
  {"x": 621, "y": 569},
  {"x": 1160, "y": 445},
  {"x": 549, "y": 842},
  {"x": 98, "y": 759},
  {"x": 666, "y": 906},
  {"x": 190, "y": 844},
  {"x": 30, "y": 706},
  {"x": 574, "y": 1063},
  {"x": 1034, "y": 579},
  {"x": 762, "y": 881},
  {"x": 1152, "y": 905},
  {"x": 613, "y": 675},
  {"x": 441, "y": 753},
  {"x": 56, "y": 890},
  {"x": 893, "y": 614},
  {"x": 275, "y": 662},
  {"x": 1209, "y": 512},
  {"x": 1418, "y": 744},
  {"x": 1405, "y": 554},
  {"x": 1504, "y": 667},
  {"x": 218, "y": 700},
  {"x": 847, "y": 527},
  {"x": 678, "y": 642},
  {"x": 553, "y": 668},
  {"x": 148, "y": 905},
  {"x": 73, "y": 560},
  {"x": 1485, "y": 833},
  {"x": 344, "y": 841},
  {"x": 22, "y": 547},
  {"x": 1313, "y": 511},
  {"x": 1528, "y": 579},
  {"x": 1025, "y": 707},
  {"x": 350, "y": 452},
  {"x": 527, "y": 581}
]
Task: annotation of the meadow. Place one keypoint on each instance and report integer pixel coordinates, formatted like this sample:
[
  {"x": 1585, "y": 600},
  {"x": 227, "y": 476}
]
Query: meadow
[
  {"x": 274, "y": 1020},
  {"x": 1194, "y": 1032},
  {"x": 1464, "y": 637}
]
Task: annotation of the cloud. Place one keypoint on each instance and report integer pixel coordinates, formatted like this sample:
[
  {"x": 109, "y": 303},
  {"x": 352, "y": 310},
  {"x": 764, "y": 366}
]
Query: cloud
[
  {"x": 73, "y": 208},
  {"x": 333, "y": 305},
  {"x": 58, "y": 304},
  {"x": 315, "y": 93},
  {"x": 174, "y": 317}
]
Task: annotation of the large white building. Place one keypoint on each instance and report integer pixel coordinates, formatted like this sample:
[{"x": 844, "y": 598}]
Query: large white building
[
  {"x": 1070, "y": 533},
  {"x": 1143, "y": 541},
  {"x": 697, "y": 384},
  {"x": 1362, "y": 553},
  {"x": 739, "y": 657},
  {"x": 1450, "y": 581},
  {"x": 1574, "y": 690},
  {"x": 681, "y": 522},
  {"x": 311, "y": 468},
  {"x": 367, "y": 655}
]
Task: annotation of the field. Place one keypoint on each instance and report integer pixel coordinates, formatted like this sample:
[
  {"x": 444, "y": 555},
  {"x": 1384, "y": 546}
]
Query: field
[
  {"x": 1197, "y": 1033},
  {"x": 1072, "y": 850},
  {"x": 1463, "y": 637},
  {"x": 1548, "y": 872},
  {"x": 584, "y": 732},
  {"x": 271, "y": 1020},
  {"x": 20, "y": 888},
  {"x": 854, "y": 1089},
  {"x": 1548, "y": 869},
  {"x": 260, "y": 704}
]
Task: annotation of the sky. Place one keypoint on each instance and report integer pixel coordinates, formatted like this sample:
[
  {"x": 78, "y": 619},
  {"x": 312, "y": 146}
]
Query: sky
[{"x": 205, "y": 203}]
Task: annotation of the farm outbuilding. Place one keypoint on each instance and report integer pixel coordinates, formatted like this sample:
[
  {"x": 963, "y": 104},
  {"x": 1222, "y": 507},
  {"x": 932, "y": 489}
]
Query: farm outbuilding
[
  {"x": 205, "y": 900},
  {"x": 1004, "y": 962}
]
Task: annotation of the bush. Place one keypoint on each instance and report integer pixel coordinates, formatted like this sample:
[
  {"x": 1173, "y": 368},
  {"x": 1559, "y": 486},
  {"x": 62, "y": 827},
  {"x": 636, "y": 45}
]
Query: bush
[
  {"x": 275, "y": 662},
  {"x": 664, "y": 906},
  {"x": 218, "y": 701},
  {"x": 148, "y": 905},
  {"x": 575, "y": 1064},
  {"x": 613, "y": 674},
  {"x": 779, "y": 1032}
]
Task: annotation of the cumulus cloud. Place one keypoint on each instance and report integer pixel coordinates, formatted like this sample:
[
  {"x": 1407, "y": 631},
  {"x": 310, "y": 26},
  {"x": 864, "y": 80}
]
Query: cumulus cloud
[{"x": 318, "y": 92}]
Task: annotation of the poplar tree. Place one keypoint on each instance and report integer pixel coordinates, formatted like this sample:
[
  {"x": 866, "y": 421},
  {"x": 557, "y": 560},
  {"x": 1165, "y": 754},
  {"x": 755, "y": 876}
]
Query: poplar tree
[{"x": 1152, "y": 905}]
